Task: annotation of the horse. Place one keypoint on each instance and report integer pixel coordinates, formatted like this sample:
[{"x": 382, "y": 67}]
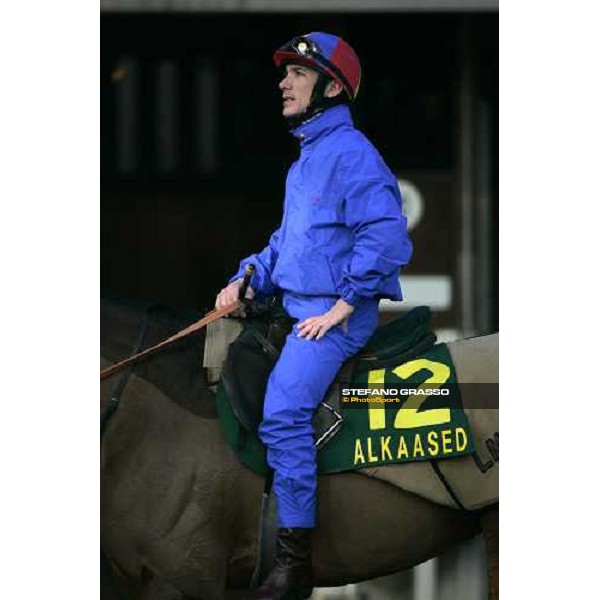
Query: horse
[{"x": 180, "y": 513}]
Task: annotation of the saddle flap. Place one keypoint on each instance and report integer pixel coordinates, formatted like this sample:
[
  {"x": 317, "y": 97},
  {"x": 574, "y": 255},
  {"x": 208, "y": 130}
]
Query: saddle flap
[{"x": 245, "y": 375}]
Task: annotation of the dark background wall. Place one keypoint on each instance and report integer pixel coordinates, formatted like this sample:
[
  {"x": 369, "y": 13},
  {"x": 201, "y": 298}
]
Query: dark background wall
[{"x": 195, "y": 151}]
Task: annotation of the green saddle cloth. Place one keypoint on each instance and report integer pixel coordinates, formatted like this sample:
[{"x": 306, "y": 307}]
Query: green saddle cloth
[{"x": 416, "y": 427}]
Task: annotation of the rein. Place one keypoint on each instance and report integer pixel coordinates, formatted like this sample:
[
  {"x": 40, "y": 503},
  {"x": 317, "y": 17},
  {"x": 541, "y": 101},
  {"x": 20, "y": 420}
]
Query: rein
[
  {"x": 213, "y": 315},
  {"x": 209, "y": 318}
]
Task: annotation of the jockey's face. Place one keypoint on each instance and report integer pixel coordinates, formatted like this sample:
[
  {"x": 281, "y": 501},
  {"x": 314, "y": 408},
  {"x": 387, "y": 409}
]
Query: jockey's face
[{"x": 297, "y": 87}]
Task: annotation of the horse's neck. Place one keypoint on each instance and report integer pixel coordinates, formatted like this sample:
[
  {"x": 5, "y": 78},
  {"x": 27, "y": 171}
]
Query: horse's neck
[{"x": 176, "y": 370}]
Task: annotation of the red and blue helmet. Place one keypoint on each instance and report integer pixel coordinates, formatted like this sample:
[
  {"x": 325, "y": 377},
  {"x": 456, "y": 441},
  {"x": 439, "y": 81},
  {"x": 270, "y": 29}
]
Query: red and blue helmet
[{"x": 326, "y": 53}]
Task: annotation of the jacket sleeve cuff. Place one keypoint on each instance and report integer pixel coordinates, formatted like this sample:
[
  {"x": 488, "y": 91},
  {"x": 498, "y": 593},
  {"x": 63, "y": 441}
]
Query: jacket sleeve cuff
[{"x": 352, "y": 298}]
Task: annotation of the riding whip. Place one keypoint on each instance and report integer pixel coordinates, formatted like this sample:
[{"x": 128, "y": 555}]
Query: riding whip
[{"x": 213, "y": 315}]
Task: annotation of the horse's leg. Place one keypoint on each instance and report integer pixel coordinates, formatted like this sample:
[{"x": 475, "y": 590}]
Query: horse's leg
[{"x": 490, "y": 526}]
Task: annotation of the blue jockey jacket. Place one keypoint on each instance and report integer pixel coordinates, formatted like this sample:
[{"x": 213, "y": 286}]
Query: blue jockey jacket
[{"x": 342, "y": 233}]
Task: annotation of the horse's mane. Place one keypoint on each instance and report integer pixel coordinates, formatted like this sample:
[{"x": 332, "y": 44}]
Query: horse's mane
[{"x": 177, "y": 370}]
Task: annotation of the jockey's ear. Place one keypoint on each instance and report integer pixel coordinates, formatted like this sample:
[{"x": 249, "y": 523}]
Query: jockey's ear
[{"x": 333, "y": 89}]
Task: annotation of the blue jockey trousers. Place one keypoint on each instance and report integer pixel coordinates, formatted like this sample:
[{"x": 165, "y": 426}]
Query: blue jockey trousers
[{"x": 296, "y": 386}]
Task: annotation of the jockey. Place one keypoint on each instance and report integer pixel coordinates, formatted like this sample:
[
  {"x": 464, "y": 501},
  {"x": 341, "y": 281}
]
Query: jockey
[{"x": 337, "y": 252}]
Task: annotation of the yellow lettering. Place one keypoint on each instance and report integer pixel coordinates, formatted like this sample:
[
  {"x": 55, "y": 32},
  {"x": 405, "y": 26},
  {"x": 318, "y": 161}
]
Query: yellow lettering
[
  {"x": 461, "y": 436},
  {"x": 371, "y": 456},
  {"x": 446, "y": 441},
  {"x": 385, "y": 447},
  {"x": 358, "y": 453},
  {"x": 434, "y": 446},
  {"x": 409, "y": 416},
  {"x": 402, "y": 449},
  {"x": 418, "y": 447},
  {"x": 376, "y": 415}
]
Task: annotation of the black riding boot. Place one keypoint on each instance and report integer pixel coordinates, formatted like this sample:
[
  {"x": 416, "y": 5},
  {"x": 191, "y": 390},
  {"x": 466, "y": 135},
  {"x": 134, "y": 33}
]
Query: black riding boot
[{"x": 292, "y": 576}]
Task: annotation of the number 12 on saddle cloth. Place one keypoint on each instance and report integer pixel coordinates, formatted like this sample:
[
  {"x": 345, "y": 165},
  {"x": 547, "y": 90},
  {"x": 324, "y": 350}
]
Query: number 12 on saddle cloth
[{"x": 401, "y": 413}]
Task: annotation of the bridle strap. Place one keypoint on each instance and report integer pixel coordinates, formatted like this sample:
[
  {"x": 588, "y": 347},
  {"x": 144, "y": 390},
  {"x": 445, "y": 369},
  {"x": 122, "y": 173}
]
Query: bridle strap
[{"x": 120, "y": 387}]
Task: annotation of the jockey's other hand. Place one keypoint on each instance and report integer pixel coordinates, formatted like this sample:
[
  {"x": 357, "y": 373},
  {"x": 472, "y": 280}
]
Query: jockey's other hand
[
  {"x": 317, "y": 327},
  {"x": 228, "y": 295}
]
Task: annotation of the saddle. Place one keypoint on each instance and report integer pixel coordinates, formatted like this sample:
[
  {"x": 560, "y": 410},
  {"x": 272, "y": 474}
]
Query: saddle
[{"x": 253, "y": 354}]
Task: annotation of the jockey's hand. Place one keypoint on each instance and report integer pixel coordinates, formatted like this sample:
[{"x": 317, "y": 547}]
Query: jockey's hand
[
  {"x": 228, "y": 295},
  {"x": 317, "y": 327}
]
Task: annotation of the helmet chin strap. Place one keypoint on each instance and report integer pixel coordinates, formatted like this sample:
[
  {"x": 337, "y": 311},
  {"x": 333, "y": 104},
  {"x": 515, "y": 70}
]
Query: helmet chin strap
[{"x": 318, "y": 102}]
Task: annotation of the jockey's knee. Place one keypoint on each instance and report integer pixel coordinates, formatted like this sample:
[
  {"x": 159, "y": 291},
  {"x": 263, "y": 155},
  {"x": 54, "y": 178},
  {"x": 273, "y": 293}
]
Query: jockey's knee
[{"x": 287, "y": 427}]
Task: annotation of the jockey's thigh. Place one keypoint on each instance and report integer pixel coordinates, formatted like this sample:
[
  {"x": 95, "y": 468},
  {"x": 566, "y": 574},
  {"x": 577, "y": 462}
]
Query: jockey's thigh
[{"x": 306, "y": 368}]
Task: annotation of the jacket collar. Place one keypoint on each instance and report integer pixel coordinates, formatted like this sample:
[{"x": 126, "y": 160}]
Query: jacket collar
[{"x": 322, "y": 123}]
